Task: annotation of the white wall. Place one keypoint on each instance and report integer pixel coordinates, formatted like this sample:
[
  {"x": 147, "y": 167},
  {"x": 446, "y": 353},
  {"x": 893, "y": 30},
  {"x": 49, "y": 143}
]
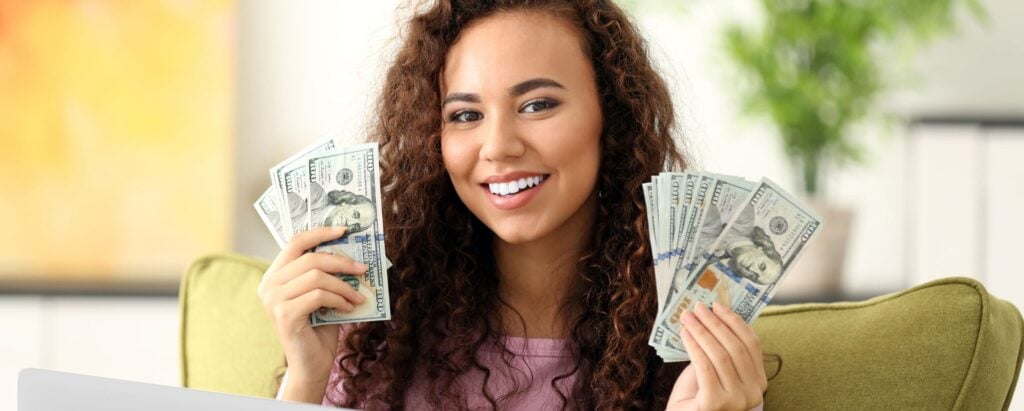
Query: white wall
[{"x": 131, "y": 338}]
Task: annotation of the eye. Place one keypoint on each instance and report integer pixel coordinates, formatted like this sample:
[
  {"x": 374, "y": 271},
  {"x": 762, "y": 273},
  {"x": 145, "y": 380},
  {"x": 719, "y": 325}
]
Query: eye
[
  {"x": 465, "y": 116},
  {"x": 355, "y": 215},
  {"x": 539, "y": 105}
]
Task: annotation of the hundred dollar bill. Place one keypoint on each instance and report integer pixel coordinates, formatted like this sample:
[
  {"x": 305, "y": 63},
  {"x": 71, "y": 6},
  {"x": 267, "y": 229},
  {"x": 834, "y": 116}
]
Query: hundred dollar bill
[
  {"x": 344, "y": 190},
  {"x": 696, "y": 210},
  {"x": 691, "y": 180},
  {"x": 673, "y": 206},
  {"x": 289, "y": 179},
  {"x": 662, "y": 191},
  {"x": 663, "y": 197},
  {"x": 747, "y": 260},
  {"x": 266, "y": 206},
  {"x": 694, "y": 191},
  {"x": 726, "y": 194},
  {"x": 652, "y": 210}
]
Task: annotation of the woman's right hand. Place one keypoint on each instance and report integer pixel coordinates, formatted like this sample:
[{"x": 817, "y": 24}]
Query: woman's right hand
[{"x": 297, "y": 284}]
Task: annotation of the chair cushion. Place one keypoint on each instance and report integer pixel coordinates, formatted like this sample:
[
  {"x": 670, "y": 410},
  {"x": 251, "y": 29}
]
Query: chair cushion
[
  {"x": 227, "y": 343},
  {"x": 946, "y": 344}
]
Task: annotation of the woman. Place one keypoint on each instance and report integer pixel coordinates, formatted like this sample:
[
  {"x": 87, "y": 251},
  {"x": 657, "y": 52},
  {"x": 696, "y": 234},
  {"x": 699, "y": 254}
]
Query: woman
[{"x": 515, "y": 137}]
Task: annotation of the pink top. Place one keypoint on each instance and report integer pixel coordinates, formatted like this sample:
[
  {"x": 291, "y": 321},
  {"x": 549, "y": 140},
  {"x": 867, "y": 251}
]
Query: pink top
[{"x": 536, "y": 363}]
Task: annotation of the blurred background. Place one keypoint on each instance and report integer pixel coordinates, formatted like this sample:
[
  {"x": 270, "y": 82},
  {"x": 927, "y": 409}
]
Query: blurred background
[{"x": 135, "y": 137}]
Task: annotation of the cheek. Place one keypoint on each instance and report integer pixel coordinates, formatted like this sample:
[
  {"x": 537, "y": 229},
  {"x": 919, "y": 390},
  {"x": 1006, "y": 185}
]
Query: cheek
[
  {"x": 577, "y": 147},
  {"x": 459, "y": 157}
]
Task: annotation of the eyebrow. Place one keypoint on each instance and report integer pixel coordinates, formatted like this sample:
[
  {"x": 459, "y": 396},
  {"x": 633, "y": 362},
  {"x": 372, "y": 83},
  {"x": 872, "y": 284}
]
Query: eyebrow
[{"x": 514, "y": 91}]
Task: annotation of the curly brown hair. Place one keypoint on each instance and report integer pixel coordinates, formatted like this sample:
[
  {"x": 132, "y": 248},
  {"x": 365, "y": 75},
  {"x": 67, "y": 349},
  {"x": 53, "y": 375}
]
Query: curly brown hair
[{"x": 443, "y": 282}]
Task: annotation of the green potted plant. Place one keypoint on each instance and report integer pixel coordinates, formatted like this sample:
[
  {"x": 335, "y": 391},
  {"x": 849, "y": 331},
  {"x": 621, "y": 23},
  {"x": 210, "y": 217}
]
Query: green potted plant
[{"x": 816, "y": 67}]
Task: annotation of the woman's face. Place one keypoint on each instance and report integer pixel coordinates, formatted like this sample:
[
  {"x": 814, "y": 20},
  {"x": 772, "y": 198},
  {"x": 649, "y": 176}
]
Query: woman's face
[{"x": 521, "y": 124}]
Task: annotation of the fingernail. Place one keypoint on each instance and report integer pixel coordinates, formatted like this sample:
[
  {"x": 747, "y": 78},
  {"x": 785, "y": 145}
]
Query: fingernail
[
  {"x": 362, "y": 267},
  {"x": 360, "y": 298},
  {"x": 701, "y": 307}
]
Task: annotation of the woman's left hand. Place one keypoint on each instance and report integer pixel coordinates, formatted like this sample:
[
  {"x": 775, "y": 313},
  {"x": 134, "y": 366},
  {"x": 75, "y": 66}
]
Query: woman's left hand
[{"x": 726, "y": 371}]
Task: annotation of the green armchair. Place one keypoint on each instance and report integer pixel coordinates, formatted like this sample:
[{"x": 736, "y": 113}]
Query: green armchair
[{"x": 947, "y": 344}]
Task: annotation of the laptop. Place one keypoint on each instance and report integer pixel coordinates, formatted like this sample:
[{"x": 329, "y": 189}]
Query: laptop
[{"x": 45, "y": 390}]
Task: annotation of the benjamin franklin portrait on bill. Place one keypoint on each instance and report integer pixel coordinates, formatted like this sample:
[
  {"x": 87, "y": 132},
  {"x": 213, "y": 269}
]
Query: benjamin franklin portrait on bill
[
  {"x": 351, "y": 210},
  {"x": 748, "y": 251}
]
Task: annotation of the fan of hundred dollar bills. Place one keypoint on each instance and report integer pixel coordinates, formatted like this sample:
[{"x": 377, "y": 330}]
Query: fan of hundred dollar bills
[
  {"x": 327, "y": 184},
  {"x": 719, "y": 239}
]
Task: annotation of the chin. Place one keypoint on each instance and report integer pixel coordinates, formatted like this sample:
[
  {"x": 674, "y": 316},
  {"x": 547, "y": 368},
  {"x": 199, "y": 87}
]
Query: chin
[{"x": 516, "y": 233}]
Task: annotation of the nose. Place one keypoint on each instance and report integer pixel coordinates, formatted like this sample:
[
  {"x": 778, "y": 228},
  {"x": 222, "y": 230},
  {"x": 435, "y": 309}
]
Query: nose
[{"x": 501, "y": 139}]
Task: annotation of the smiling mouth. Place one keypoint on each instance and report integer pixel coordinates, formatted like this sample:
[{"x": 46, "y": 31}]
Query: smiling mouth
[{"x": 511, "y": 188}]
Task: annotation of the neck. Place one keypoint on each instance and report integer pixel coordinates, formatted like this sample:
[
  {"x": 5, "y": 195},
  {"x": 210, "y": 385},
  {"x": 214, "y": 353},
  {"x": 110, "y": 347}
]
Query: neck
[{"x": 538, "y": 279}]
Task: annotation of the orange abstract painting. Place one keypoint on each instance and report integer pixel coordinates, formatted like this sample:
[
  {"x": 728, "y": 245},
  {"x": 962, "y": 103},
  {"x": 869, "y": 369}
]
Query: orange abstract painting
[{"x": 115, "y": 137}]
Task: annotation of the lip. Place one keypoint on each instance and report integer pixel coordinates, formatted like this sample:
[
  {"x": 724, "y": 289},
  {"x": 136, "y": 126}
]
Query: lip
[
  {"x": 517, "y": 200},
  {"x": 504, "y": 178}
]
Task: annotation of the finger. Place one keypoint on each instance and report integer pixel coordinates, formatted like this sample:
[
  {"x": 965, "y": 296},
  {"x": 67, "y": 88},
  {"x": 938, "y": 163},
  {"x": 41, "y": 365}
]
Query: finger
[
  {"x": 698, "y": 324},
  {"x": 328, "y": 263},
  {"x": 749, "y": 338},
  {"x": 750, "y": 388},
  {"x": 303, "y": 305},
  {"x": 722, "y": 295},
  {"x": 316, "y": 279},
  {"x": 733, "y": 345},
  {"x": 306, "y": 240},
  {"x": 707, "y": 378}
]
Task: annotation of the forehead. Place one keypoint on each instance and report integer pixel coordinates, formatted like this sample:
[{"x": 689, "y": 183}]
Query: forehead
[{"x": 502, "y": 50}]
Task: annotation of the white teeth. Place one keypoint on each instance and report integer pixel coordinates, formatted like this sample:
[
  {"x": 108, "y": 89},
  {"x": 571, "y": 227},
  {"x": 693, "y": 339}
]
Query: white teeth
[{"x": 515, "y": 186}]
